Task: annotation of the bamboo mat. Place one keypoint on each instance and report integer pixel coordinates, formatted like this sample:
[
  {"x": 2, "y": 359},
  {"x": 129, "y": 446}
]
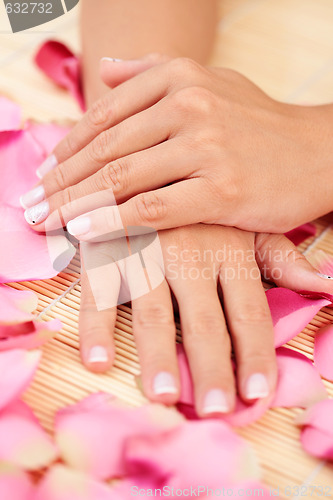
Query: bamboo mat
[{"x": 286, "y": 47}]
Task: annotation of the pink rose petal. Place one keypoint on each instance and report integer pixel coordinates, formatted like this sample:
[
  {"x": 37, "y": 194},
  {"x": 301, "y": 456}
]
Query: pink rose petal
[
  {"x": 317, "y": 432},
  {"x": 17, "y": 368},
  {"x": 292, "y": 311},
  {"x": 323, "y": 351},
  {"x": 10, "y": 116},
  {"x": 299, "y": 383},
  {"x": 61, "y": 66},
  {"x": 63, "y": 483},
  {"x": 92, "y": 433},
  {"x": 301, "y": 233},
  {"x": 23, "y": 442},
  {"x": 28, "y": 335},
  {"x": 16, "y": 306},
  {"x": 20, "y": 155},
  {"x": 214, "y": 456},
  {"x": 15, "y": 484}
]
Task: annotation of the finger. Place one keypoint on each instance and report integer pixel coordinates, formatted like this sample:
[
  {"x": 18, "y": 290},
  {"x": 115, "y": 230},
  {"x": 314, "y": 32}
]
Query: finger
[
  {"x": 96, "y": 327},
  {"x": 119, "y": 180},
  {"x": 250, "y": 325},
  {"x": 116, "y": 71},
  {"x": 281, "y": 262},
  {"x": 206, "y": 342},
  {"x": 128, "y": 99},
  {"x": 170, "y": 207},
  {"x": 155, "y": 335}
]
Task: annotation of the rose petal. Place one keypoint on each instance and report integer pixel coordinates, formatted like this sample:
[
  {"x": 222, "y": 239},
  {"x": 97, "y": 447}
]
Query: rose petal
[
  {"x": 20, "y": 155},
  {"x": 63, "y": 67},
  {"x": 15, "y": 483},
  {"x": 17, "y": 368},
  {"x": 10, "y": 116},
  {"x": 161, "y": 456},
  {"x": 92, "y": 433},
  {"x": 317, "y": 432},
  {"x": 299, "y": 383},
  {"x": 63, "y": 483},
  {"x": 23, "y": 441},
  {"x": 301, "y": 233},
  {"x": 291, "y": 312},
  {"x": 323, "y": 351},
  {"x": 28, "y": 335},
  {"x": 16, "y": 306}
]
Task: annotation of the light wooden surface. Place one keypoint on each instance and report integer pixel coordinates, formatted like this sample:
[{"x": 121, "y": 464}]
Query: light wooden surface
[{"x": 286, "y": 47}]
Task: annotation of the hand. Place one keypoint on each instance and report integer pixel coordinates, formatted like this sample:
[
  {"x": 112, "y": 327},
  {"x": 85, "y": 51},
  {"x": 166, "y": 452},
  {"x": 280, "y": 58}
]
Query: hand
[
  {"x": 198, "y": 260},
  {"x": 241, "y": 158}
]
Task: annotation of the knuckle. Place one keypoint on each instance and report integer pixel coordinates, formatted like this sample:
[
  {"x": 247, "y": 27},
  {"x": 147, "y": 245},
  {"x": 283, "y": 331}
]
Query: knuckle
[
  {"x": 99, "y": 112},
  {"x": 59, "y": 178},
  {"x": 100, "y": 146},
  {"x": 150, "y": 207},
  {"x": 195, "y": 99},
  {"x": 67, "y": 196},
  {"x": 251, "y": 314},
  {"x": 184, "y": 65},
  {"x": 114, "y": 176},
  {"x": 155, "y": 314},
  {"x": 204, "y": 323}
]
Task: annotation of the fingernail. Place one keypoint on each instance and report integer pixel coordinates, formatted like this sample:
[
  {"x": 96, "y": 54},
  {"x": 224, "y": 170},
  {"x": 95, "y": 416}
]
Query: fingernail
[
  {"x": 49, "y": 164},
  {"x": 98, "y": 354},
  {"x": 37, "y": 214},
  {"x": 111, "y": 59},
  {"x": 164, "y": 383},
  {"x": 325, "y": 276},
  {"x": 79, "y": 226},
  {"x": 256, "y": 386},
  {"x": 215, "y": 402},
  {"x": 33, "y": 197}
]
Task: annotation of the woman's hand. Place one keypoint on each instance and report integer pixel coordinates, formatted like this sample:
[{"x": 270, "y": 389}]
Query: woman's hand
[
  {"x": 200, "y": 261},
  {"x": 234, "y": 156}
]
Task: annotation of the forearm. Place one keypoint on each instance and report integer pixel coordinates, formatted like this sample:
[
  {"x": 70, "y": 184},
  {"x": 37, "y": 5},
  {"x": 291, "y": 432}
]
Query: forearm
[{"x": 132, "y": 28}]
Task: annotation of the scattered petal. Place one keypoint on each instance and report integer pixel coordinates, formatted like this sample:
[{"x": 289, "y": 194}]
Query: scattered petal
[
  {"x": 317, "y": 432},
  {"x": 16, "y": 306},
  {"x": 323, "y": 351},
  {"x": 301, "y": 233},
  {"x": 23, "y": 442},
  {"x": 15, "y": 484},
  {"x": 292, "y": 311},
  {"x": 28, "y": 335},
  {"x": 10, "y": 116},
  {"x": 92, "y": 433},
  {"x": 63, "y": 483},
  {"x": 17, "y": 368},
  {"x": 161, "y": 456},
  {"x": 299, "y": 383},
  {"x": 61, "y": 66}
]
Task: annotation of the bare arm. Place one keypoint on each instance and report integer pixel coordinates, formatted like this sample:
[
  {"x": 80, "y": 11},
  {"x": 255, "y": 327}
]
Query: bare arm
[{"x": 132, "y": 28}]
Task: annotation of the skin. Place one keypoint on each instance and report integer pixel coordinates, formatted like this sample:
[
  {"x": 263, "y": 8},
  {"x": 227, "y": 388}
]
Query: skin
[{"x": 185, "y": 94}]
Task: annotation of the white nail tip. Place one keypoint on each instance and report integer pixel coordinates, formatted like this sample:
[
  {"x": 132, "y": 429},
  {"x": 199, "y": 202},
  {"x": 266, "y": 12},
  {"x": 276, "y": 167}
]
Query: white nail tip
[
  {"x": 215, "y": 402},
  {"x": 49, "y": 164},
  {"x": 325, "y": 276},
  {"x": 77, "y": 227},
  {"x": 33, "y": 197},
  {"x": 164, "y": 383},
  {"x": 37, "y": 214},
  {"x": 111, "y": 59},
  {"x": 98, "y": 354},
  {"x": 257, "y": 386}
]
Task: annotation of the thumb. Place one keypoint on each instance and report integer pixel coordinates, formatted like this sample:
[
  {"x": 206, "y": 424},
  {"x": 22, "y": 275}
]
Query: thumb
[
  {"x": 116, "y": 71},
  {"x": 281, "y": 262}
]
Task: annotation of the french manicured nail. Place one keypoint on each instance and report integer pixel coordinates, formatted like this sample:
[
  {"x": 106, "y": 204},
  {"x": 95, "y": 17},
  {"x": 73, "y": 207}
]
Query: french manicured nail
[
  {"x": 79, "y": 226},
  {"x": 31, "y": 198},
  {"x": 49, "y": 164},
  {"x": 38, "y": 213},
  {"x": 111, "y": 59},
  {"x": 98, "y": 354},
  {"x": 215, "y": 402},
  {"x": 256, "y": 386},
  {"x": 325, "y": 276},
  {"x": 164, "y": 383}
]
